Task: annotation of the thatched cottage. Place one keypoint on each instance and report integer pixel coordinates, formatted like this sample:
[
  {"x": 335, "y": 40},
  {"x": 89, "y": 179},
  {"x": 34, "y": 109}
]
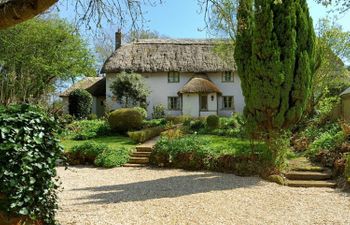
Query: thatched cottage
[{"x": 186, "y": 76}]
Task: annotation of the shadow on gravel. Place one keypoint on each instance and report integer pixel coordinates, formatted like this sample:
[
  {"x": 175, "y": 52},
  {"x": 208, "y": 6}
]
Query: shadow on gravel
[{"x": 169, "y": 187}]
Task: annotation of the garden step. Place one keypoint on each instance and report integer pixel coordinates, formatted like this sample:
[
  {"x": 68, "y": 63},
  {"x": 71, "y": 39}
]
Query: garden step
[
  {"x": 134, "y": 165},
  {"x": 310, "y": 168},
  {"x": 138, "y": 160},
  {"x": 140, "y": 154},
  {"x": 308, "y": 175},
  {"x": 143, "y": 149},
  {"x": 311, "y": 183}
]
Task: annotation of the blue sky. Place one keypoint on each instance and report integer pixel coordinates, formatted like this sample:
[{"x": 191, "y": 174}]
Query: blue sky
[{"x": 181, "y": 18}]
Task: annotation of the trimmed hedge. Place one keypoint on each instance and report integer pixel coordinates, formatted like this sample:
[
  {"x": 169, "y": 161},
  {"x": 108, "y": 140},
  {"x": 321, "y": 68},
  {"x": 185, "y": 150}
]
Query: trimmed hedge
[
  {"x": 126, "y": 119},
  {"x": 145, "y": 134},
  {"x": 80, "y": 103},
  {"x": 28, "y": 155}
]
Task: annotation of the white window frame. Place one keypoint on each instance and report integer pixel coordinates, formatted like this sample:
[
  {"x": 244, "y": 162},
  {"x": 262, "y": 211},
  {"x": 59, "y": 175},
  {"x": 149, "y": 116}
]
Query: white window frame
[
  {"x": 173, "y": 77},
  {"x": 229, "y": 75},
  {"x": 225, "y": 99},
  {"x": 171, "y": 103}
]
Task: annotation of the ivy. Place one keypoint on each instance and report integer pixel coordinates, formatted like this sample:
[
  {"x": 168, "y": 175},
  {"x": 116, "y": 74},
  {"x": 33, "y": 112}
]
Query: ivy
[{"x": 28, "y": 155}]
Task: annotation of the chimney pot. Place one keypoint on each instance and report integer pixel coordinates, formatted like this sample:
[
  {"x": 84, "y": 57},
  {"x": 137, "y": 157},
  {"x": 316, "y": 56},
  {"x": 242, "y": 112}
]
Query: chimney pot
[{"x": 118, "y": 39}]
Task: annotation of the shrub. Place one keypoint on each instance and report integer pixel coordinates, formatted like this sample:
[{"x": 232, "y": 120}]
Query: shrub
[
  {"x": 92, "y": 116},
  {"x": 80, "y": 103},
  {"x": 145, "y": 134},
  {"x": 126, "y": 119},
  {"x": 154, "y": 123},
  {"x": 213, "y": 122},
  {"x": 87, "y": 129},
  {"x": 111, "y": 157},
  {"x": 85, "y": 153},
  {"x": 173, "y": 133},
  {"x": 28, "y": 155},
  {"x": 158, "y": 111},
  {"x": 347, "y": 168},
  {"x": 196, "y": 125},
  {"x": 179, "y": 119},
  {"x": 142, "y": 111},
  {"x": 327, "y": 141}
]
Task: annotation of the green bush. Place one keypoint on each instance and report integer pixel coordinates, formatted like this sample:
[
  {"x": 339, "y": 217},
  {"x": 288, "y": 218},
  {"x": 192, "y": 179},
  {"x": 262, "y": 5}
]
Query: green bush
[
  {"x": 92, "y": 116},
  {"x": 112, "y": 157},
  {"x": 154, "y": 123},
  {"x": 196, "y": 125},
  {"x": 126, "y": 119},
  {"x": 145, "y": 134},
  {"x": 85, "y": 153},
  {"x": 28, "y": 155},
  {"x": 80, "y": 103},
  {"x": 213, "y": 122},
  {"x": 179, "y": 119},
  {"x": 327, "y": 141},
  {"x": 347, "y": 168},
  {"x": 142, "y": 111},
  {"x": 158, "y": 111},
  {"x": 87, "y": 129}
]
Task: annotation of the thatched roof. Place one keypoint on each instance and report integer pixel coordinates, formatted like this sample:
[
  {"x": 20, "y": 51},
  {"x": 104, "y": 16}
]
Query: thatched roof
[
  {"x": 95, "y": 85},
  {"x": 164, "y": 55},
  {"x": 199, "y": 85}
]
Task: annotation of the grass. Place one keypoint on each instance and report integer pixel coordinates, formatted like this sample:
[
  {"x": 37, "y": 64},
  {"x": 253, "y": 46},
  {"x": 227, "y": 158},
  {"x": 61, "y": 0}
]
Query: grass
[
  {"x": 112, "y": 142},
  {"x": 221, "y": 145}
]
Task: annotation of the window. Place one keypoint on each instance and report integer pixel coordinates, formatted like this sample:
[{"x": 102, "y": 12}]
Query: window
[
  {"x": 174, "y": 103},
  {"x": 227, "y": 76},
  {"x": 173, "y": 77},
  {"x": 203, "y": 102},
  {"x": 228, "y": 102}
]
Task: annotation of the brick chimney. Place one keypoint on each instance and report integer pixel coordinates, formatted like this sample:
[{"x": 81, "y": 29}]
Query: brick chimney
[{"x": 118, "y": 39}]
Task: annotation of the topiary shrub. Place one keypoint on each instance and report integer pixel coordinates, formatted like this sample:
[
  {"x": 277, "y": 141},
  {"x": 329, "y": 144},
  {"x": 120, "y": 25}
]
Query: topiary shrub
[
  {"x": 111, "y": 157},
  {"x": 80, "y": 103},
  {"x": 28, "y": 155},
  {"x": 142, "y": 111},
  {"x": 85, "y": 153},
  {"x": 126, "y": 119},
  {"x": 213, "y": 122}
]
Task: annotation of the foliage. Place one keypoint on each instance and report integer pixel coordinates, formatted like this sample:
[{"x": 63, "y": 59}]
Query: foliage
[
  {"x": 158, "y": 111},
  {"x": 85, "y": 153},
  {"x": 145, "y": 134},
  {"x": 341, "y": 6},
  {"x": 212, "y": 122},
  {"x": 275, "y": 49},
  {"x": 197, "y": 124},
  {"x": 129, "y": 89},
  {"x": 142, "y": 111},
  {"x": 126, "y": 119},
  {"x": 173, "y": 133},
  {"x": 154, "y": 123},
  {"x": 92, "y": 116},
  {"x": 28, "y": 155},
  {"x": 325, "y": 108},
  {"x": 37, "y": 53},
  {"x": 113, "y": 157},
  {"x": 326, "y": 141},
  {"x": 80, "y": 103},
  {"x": 347, "y": 168},
  {"x": 179, "y": 119},
  {"x": 87, "y": 129}
]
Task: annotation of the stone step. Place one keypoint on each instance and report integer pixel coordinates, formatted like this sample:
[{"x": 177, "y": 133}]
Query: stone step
[
  {"x": 144, "y": 149},
  {"x": 134, "y": 165},
  {"x": 311, "y": 183},
  {"x": 138, "y": 160},
  {"x": 140, "y": 154},
  {"x": 310, "y": 168},
  {"x": 308, "y": 175}
]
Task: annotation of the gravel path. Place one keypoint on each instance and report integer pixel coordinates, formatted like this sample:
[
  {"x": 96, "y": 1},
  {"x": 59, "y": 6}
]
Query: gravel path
[{"x": 162, "y": 196}]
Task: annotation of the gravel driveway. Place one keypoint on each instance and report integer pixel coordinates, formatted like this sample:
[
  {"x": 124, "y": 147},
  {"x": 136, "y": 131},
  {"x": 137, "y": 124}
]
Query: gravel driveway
[{"x": 170, "y": 196}]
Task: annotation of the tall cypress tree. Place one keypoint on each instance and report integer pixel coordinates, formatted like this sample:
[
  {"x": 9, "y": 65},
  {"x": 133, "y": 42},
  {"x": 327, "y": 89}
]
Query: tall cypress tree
[{"x": 274, "y": 54}]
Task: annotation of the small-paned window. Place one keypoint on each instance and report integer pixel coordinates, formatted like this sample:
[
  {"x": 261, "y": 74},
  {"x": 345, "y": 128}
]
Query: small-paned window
[
  {"x": 227, "y": 76},
  {"x": 228, "y": 102},
  {"x": 174, "y": 103},
  {"x": 173, "y": 77}
]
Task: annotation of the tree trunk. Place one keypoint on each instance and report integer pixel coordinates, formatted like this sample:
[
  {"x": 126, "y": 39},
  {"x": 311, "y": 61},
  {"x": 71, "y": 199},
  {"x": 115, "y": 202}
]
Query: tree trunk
[{"x": 13, "y": 12}]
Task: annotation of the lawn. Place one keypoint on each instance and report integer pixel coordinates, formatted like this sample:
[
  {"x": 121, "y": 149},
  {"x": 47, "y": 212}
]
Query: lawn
[
  {"x": 220, "y": 145},
  {"x": 111, "y": 141}
]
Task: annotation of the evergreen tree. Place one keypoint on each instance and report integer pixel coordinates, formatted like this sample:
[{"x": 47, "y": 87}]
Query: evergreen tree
[{"x": 275, "y": 59}]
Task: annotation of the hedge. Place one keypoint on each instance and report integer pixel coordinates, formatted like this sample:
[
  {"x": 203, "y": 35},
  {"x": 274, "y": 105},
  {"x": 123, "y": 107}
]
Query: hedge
[
  {"x": 145, "y": 134},
  {"x": 28, "y": 155},
  {"x": 80, "y": 103},
  {"x": 126, "y": 119}
]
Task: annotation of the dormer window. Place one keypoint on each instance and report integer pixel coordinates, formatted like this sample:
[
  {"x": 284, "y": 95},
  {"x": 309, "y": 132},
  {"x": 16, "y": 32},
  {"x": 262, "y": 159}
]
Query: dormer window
[
  {"x": 173, "y": 77},
  {"x": 227, "y": 76}
]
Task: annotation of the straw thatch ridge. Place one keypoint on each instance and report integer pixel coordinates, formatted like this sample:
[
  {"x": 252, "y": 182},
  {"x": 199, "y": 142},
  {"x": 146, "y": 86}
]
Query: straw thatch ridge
[
  {"x": 95, "y": 85},
  {"x": 164, "y": 55},
  {"x": 199, "y": 85}
]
